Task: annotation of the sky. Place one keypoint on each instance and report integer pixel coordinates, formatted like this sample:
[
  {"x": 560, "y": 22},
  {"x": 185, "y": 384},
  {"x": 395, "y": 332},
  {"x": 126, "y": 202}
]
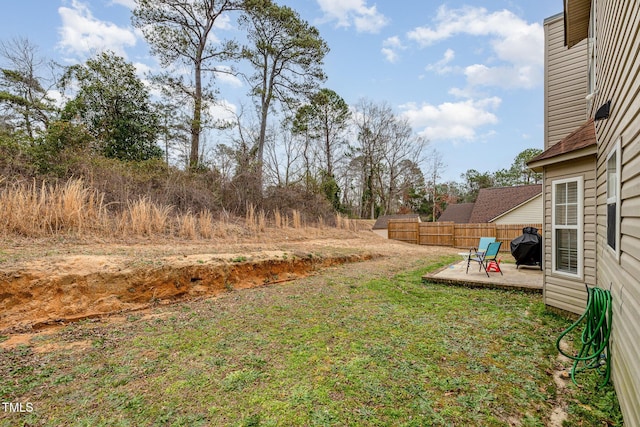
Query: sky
[{"x": 467, "y": 75}]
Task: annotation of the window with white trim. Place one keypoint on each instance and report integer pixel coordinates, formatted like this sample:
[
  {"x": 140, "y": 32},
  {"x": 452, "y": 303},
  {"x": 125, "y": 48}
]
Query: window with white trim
[
  {"x": 613, "y": 199},
  {"x": 567, "y": 225}
]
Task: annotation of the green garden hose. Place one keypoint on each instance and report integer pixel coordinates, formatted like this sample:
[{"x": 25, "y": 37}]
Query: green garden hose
[{"x": 594, "y": 353}]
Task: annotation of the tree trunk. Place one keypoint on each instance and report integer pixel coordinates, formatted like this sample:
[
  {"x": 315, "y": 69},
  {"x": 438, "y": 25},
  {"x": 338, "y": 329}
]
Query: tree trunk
[{"x": 194, "y": 156}]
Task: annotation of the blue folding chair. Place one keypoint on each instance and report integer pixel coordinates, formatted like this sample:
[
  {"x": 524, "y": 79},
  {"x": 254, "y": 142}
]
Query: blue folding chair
[
  {"x": 484, "y": 258},
  {"x": 483, "y": 244}
]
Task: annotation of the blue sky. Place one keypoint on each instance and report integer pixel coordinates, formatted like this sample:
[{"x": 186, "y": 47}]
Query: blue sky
[{"x": 468, "y": 75}]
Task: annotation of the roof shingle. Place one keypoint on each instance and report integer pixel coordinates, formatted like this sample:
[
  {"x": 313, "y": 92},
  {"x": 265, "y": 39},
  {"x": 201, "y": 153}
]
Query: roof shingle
[
  {"x": 583, "y": 137},
  {"x": 493, "y": 202},
  {"x": 458, "y": 213}
]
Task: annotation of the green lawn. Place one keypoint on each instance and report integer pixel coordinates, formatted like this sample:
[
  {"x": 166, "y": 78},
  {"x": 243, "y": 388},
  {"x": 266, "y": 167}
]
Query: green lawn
[{"x": 350, "y": 346}]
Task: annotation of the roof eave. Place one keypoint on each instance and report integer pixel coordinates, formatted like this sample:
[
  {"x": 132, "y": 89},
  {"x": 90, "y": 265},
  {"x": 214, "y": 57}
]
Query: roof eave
[
  {"x": 538, "y": 166},
  {"x": 576, "y": 21}
]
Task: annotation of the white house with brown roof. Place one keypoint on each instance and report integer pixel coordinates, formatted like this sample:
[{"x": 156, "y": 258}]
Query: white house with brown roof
[
  {"x": 591, "y": 173},
  {"x": 520, "y": 204}
]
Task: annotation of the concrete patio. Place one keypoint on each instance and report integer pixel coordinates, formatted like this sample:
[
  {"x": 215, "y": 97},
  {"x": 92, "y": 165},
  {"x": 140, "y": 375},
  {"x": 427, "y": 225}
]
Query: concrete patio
[{"x": 524, "y": 278}]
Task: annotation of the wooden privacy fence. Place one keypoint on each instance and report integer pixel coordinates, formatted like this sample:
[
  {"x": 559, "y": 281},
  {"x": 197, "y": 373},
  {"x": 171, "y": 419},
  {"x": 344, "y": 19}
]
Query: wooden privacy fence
[{"x": 456, "y": 235}]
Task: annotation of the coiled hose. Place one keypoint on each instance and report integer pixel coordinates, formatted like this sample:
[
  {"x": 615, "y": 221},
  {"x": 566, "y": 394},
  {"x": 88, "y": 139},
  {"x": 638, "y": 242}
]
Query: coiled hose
[{"x": 594, "y": 352}]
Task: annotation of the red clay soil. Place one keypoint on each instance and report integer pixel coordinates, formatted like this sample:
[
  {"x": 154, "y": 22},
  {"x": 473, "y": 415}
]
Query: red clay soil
[{"x": 54, "y": 283}]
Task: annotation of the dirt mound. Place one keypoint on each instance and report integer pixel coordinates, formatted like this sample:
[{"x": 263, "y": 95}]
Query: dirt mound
[
  {"x": 85, "y": 286},
  {"x": 48, "y": 282}
]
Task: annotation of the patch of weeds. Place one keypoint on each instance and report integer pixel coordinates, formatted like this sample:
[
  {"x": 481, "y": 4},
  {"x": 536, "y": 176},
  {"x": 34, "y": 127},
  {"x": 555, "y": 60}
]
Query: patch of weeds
[
  {"x": 238, "y": 380},
  {"x": 3, "y": 338},
  {"x": 254, "y": 361},
  {"x": 323, "y": 417},
  {"x": 216, "y": 361},
  {"x": 240, "y": 258},
  {"x": 366, "y": 413},
  {"x": 63, "y": 379},
  {"x": 593, "y": 404},
  {"x": 252, "y": 421}
]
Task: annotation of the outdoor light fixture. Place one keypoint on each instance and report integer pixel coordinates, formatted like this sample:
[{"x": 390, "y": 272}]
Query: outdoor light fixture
[{"x": 603, "y": 111}]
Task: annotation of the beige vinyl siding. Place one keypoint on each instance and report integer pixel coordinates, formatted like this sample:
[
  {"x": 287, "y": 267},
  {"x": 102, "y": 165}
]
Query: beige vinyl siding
[
  {"x": 618, "y": 80},
  {"x": 560, "y": 291},
  {"x": 530, "y": 212},
  {"x": 565, "y": 83}
]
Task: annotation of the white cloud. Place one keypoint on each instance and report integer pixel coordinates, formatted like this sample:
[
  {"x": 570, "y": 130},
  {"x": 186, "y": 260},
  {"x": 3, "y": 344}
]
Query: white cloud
[
  {"x": 82, "y": 34},
  {"x": 223, "y": 22},
  {"x": 390, "y": 47},
  {"x": 389, "y": 54},
  {"x": 141, "y": 68},
  {"x": 442, "y": 66},
  {"x": 224, "y": 75},
  {"x": 517, "y": 45},
  {"x": 353, "y": 12},
  {"x": 453, "y": 121},
  {"x": 131, "y": 4},
  {"x": 507, "y": 77},
  {"x": 223, "y": 111},
  {"x": 58, "y": 98},
  {"x": 460, "y": 93}
]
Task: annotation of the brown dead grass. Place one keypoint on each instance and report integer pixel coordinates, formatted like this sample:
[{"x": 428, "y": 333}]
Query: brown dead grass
[
  {"x": 75, "y": 210},
  {"x": 65, "y": 254}
]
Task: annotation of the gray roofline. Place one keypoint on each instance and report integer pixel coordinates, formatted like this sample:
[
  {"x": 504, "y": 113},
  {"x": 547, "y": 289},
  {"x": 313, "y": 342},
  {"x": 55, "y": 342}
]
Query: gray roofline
[{"x": 552, "y": 18}]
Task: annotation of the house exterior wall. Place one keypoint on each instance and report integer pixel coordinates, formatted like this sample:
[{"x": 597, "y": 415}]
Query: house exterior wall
[
  {"x": 529, "y": 212},
  {"x": 618, "y": 79},
  {"x": 561, "y": 291},
  {"x": 565, "y": 83},
  {"x": 565, "y": 109}
]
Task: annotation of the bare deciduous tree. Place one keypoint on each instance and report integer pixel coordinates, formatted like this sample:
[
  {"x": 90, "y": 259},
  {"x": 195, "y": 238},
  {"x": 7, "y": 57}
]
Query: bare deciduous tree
[
  {"x": 435, "y": 167},
  {"x": 24, "y": 92},
  {"x": 387, "y": 154}
]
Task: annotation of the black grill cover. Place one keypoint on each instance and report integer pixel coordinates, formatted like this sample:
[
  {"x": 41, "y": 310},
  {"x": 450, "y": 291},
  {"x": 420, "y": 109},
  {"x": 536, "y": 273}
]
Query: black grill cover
[{"x": 527, "y": 249}]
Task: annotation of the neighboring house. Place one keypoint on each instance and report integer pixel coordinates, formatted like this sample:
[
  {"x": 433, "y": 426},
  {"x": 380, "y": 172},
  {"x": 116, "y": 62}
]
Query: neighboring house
[
  {"x": 501, "y": 205},
  {"x": 381, "y": 226},
  {"x": 458, "y": 213},
  {"x": 591, "y": 170}
]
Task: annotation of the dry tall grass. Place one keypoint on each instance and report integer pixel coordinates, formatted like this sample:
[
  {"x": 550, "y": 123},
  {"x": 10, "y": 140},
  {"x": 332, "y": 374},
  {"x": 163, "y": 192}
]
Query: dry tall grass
[
  {"x": 187, "y": 226},
  {"x": 33, "y": 210},
  {"x": 296, "y": 219},
  {"x": 39, "y": 210},
  {"x": 277, "y": 219},
  {"x": 262, "y": 221},
  {"x": 205, "y": 224},
  {"x": 250, "y": 217}
]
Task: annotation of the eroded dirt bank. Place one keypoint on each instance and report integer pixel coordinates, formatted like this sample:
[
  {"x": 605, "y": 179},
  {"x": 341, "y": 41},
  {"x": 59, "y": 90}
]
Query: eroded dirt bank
[
  {"x": 32, "y": 299},
  {"x": 50, "y": 283}
]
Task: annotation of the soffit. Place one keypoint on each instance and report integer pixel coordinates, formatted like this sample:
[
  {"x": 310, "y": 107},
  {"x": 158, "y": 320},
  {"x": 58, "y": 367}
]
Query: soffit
[{"x": 576, "y": 21}]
